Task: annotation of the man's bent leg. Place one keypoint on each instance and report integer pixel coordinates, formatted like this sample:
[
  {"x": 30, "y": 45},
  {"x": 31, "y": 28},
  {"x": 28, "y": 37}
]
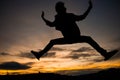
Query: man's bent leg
[
  {"x": 94, "y": 44},
  {"x": 50, "y": 45},
  {"x": 54, "y": 42}
]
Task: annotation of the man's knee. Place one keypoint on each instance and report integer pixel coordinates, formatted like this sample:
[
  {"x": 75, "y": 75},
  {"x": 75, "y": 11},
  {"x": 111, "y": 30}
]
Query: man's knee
[
  {"x": 87, "y": 37},
  {"x": 52, "y": 41},
  {"x": 58, "y": 41}
]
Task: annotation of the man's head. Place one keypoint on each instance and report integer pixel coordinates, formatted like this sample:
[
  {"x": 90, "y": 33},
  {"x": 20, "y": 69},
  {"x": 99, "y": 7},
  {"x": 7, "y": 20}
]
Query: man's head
[{"x": 60, "y": 8}]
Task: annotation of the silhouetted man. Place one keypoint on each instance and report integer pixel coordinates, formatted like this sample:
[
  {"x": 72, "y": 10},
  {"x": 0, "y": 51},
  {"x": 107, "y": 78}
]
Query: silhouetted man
[{"x": 66, "y": 23}]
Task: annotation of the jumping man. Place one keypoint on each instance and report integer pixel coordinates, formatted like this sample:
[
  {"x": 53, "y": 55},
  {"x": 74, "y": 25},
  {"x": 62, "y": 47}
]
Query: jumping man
[{"x": 66, "y": 24}]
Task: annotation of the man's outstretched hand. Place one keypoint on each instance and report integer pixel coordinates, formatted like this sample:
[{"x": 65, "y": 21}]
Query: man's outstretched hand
[
  {"x": 90, "y": 3},
  {"x": 42, "y": 15}
]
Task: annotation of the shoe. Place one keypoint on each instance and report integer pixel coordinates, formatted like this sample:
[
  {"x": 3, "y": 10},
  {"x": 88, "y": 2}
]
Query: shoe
[
  {"x": 110, "y": 54},
  {"x": 36, "y": 54}
]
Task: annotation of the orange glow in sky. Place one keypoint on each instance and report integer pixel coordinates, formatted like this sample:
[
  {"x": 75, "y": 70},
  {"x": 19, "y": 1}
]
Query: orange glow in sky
[{"x": 22, "y": 30}]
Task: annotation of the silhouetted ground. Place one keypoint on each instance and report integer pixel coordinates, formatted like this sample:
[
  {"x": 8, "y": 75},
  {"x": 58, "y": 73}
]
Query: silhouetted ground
[{"x": 110, "y": 74}]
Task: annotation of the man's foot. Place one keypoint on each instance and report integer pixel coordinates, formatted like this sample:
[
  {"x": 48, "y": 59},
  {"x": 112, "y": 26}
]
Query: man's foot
[
  {"x": 37, "y": 54},
  {"x": 110, "y": 54}
]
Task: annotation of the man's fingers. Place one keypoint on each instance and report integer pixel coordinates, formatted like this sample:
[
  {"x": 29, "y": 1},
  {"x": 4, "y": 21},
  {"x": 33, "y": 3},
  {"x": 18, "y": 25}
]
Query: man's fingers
[
  {"x": 42, "y": 14},
  {"x": 90, "y": 2}
]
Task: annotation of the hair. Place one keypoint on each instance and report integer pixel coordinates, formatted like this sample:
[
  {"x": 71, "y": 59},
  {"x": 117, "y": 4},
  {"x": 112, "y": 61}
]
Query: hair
[{"x": 59, "y": 6}]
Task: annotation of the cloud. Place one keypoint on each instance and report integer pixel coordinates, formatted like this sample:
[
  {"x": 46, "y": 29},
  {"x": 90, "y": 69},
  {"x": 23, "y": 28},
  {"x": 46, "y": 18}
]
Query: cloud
[
  {"x": 57, "y": 49},
  {"x": 13, "y": 66},
  {"x": 4, "y": 53},
  {"x": 29, "y": 63},
  {"x": 83, "y": 49},
  {"x": 85, "y": 53},
  {"x": 82, "y": 52},
  {"x": 50, "y": 54},
  {"x": 27, "y": 55},
  {"x": 76, "y": 55}
]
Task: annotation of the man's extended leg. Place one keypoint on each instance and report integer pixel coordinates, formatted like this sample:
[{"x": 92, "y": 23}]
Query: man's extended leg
[
  {"x": 49, "y": 46},
  {"x": 90, "y": 41}
]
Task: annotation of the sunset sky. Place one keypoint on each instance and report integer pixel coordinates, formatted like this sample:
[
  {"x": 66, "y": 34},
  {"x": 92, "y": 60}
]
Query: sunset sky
[{"x": 23, "y": 30}]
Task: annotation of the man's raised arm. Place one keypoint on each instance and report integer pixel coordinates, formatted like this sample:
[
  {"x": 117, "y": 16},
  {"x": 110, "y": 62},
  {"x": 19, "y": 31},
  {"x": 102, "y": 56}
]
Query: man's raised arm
[
  {"x": 81, "y": 17},
  {"x": 49, "y": 23}
]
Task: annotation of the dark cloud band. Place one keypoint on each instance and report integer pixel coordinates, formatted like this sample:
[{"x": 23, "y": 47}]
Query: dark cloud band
[{"x": 13, "y": 66}]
